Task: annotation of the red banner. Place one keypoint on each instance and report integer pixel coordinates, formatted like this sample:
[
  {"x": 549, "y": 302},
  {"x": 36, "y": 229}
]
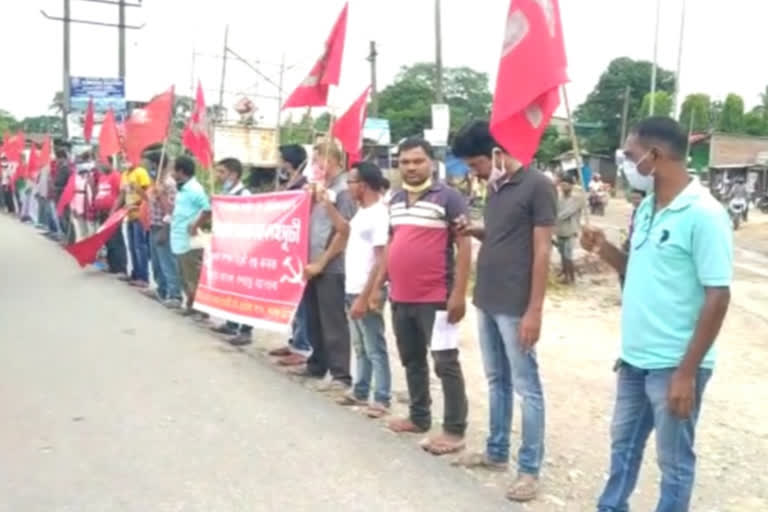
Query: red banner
[{"x": 253, "y": 271}]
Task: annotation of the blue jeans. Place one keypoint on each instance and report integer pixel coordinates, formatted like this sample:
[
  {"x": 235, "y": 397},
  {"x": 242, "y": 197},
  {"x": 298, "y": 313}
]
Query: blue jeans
[
  {"x": 138, "y": 243},
  {"x": 165, "y": 268},
  {"x": 300, "y": 337},
  {"x": 641, "y": 406},
  {"x": 370, "y": 344},
  {"x": 511, "y": 370}
]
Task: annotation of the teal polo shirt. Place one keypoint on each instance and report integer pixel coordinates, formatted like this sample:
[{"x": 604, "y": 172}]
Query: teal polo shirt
[
  {"x": 191, "y": 201},
  {"x": 674, "y": 255}
]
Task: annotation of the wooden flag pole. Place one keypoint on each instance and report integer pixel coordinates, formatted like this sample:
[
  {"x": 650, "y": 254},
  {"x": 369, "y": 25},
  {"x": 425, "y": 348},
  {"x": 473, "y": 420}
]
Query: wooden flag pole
[{"x": 576, "y": 150}]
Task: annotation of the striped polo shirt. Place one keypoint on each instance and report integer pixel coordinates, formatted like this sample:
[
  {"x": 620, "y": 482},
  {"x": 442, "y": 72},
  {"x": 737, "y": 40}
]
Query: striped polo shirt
[{"x": 421, "y": 257}]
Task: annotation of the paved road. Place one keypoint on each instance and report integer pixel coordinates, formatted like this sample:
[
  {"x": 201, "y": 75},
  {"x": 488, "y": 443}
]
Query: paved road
[{"x": 109, "y": 403}]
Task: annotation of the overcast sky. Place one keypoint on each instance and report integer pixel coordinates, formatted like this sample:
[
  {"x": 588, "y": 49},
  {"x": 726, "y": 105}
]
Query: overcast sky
[{"x": 724, "y": 51}]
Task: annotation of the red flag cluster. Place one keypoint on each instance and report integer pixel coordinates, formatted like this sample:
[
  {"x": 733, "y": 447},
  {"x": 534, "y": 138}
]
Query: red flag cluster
[{"x": 523, "y": 107}]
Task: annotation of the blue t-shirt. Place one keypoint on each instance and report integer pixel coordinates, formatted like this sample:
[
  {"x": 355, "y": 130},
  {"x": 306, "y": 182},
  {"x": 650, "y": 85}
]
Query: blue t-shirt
[
  {"x": 191, "y": 201},
  {"x": 673, "y": 256}
]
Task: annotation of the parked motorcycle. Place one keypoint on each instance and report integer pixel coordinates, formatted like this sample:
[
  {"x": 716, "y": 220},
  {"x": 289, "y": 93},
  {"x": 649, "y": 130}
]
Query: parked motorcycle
[
  {"x": 762, "y": 204},
  {"x": 737, "y": 209}
]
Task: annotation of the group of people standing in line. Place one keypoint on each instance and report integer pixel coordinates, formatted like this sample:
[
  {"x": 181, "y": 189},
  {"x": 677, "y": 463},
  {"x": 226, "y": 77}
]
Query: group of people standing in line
[{"x": 412, "y": 248}]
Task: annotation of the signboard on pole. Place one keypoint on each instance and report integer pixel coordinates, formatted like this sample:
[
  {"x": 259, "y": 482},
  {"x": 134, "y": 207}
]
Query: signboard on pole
[
  {"x": 377, "y": 130},
  {"x": 106, "y": 93},
  {"x": 253, "y": 271},
  {"x": 441, "y": 122},
  {"x": 250, "y": 144}
]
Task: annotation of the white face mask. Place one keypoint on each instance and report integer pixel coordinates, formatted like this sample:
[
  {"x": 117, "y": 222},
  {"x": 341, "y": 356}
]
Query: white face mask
[{"x": 636, "y": 180}]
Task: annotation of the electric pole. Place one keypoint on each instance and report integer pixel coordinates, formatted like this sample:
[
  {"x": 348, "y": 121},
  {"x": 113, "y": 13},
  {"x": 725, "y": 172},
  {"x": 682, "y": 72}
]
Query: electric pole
[
  {"x": 121, "y": 38},
  {"x": 679, "y": 63},
  {"x": 438, "y": 55},
  {"x": 223, "y": 72},
  {"x": 374, "y": 90},
  {"x": 625, "y": 116},
  {"x": 65, "y": 69},
  {"x": 655, "y": 59}
]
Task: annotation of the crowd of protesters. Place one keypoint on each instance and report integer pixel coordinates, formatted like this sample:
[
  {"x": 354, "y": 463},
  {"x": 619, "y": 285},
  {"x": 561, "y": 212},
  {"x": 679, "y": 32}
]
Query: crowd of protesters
[{"x": 412, "y": 248}]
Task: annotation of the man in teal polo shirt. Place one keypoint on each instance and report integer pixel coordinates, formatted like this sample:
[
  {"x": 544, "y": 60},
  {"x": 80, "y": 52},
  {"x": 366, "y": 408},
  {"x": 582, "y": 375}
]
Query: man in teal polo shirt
[{"x": 677, "y": 290}]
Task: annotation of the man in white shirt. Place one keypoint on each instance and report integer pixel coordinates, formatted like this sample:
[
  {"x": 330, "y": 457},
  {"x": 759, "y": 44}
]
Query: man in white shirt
[{"x": 364, "y": 257}]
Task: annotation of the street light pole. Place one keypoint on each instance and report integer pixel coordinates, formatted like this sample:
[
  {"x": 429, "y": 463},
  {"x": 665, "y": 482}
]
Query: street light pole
[
  {"x": 679, "y": 61},
  {"x": 438, "y": 54},
  {"x": 655, "y": 58}
]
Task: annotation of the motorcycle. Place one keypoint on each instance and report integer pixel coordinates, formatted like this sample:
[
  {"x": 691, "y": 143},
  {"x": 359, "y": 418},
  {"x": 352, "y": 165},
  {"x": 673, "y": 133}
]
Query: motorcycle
[
  {"x": 737, "y": 209},
  {"x": 762, "y": 204}
]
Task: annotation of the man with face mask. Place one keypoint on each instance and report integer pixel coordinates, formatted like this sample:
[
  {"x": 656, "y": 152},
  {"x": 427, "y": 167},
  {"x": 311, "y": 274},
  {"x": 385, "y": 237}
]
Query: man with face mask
[
  {"x": 229, "y": 173},
  {"x": 676, "y": 294},
  {"x": 512, "y": 274}
]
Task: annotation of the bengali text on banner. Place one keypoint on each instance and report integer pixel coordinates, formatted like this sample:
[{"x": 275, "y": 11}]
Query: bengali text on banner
[{"x": 253, "y": 270}]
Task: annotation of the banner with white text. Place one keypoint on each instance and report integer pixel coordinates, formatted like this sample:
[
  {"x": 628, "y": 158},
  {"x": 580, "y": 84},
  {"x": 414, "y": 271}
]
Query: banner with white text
[{"x": 253, "y": 271}]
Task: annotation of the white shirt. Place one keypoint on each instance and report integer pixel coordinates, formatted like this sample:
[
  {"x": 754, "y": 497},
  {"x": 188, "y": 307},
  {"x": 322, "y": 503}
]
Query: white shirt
[{"x": 368, "y": 229}]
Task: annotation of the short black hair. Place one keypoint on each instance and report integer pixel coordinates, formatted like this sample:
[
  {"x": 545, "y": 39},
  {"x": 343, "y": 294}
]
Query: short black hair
[
  {"x": 154, "y": 158},
  {"x": 232, "y": 165},
  {"x": 663, "y": 130},
  {"x": 416, "y": 142},
  {"x": 474, "y": 139},
  {"x": 568, "y": 179},
  {"x": 61, "y": 153},
  {"x": 371, "y": 175},
  {"x": 638, "y": 191},
  {"x": 294, "y": 154},
  {"x": 185, "y": 165}
]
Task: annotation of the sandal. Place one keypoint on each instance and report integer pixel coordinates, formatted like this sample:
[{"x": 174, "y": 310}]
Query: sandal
[
  {"x": 443, "y": 444},
  {"x": 404, "y": 426},
  {"x": 376, "y": 411},
  {"x": 523, "y": 489},
  {"x": 349, "y": 399},
  {"x": 479, "y": 461}
]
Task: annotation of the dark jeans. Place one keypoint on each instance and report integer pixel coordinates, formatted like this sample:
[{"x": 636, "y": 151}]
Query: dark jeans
[
  {"x": 328, "y": 324},
  {"x": 138, "y": 243},
  {"x": 117, "y": 256},
  {"x": 642, "y": 407},
  {"x": 413, "y": 325},
  {"x": 8, "y": 199},
  {"x": 300, "y": 337}
]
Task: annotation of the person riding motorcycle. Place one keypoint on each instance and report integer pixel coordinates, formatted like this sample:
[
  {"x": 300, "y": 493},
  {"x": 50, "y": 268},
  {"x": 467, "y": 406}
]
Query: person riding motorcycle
[{"x": 739, "y": 191}]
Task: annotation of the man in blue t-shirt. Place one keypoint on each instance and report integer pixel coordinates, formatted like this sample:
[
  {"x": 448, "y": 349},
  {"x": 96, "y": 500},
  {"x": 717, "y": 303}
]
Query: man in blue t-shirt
[{"x": 678, "y": 274}]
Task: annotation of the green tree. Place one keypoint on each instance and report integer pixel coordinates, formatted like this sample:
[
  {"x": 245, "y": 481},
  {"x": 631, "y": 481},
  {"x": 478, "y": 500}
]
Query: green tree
[
  {"x": 407, "y": 102},
  {"x": 43, "y": 124},
  {"x": 552, "y": 145},
  {"x": 755, "y": 122},
  {"x": 292, "y": 132},
  {"x": 731, "y": 119},
  {"x": 8, "y": 123},
  {"x": 662, "y": 106},
  {"x": 57, "y": 103},
  {"x": 605, "y": 103},
  {"x": 700, "y": 107}
]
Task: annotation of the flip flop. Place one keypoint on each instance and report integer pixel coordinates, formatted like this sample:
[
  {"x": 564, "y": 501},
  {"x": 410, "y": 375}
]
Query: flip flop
[
  {"x": 439, "y": 447},
  {"x": 522, "y": 490}
]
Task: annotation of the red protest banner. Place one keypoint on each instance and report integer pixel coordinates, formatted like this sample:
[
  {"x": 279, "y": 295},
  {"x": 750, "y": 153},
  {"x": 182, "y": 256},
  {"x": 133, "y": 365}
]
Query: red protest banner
[{"x": 253, "y": 271}]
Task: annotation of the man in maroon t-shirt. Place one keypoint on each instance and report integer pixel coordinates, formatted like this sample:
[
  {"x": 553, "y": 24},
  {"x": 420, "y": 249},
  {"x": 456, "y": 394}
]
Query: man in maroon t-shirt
[{"x": 428, "y": 271}]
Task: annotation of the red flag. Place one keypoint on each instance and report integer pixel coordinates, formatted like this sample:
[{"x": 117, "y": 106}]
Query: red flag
[
  {"x": 522, "y": 108},
  {"x": 14, "y": 147},
  {"x": 67, "y": 194},
  {"x": 195, "y": 135},
  {"x": 109, "y": 142},
  {"x": 45, "y": 152},
  {"x": 148, "y": 126},
  {"x": 33, "y": 163},
  {"x": 88, "y": 124},
  {"x": 313, "y": 91},
  {"x": 87, "y": 250},
  {"x": 349, "y": 127}
]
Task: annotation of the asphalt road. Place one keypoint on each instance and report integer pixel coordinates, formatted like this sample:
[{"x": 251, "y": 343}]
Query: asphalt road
[{"x": 108, "y": 402}]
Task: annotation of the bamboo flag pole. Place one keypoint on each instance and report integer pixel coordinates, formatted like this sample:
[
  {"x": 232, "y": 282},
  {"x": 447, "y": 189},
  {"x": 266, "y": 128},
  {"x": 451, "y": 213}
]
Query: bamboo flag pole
[{"x": 576, "y": 148}]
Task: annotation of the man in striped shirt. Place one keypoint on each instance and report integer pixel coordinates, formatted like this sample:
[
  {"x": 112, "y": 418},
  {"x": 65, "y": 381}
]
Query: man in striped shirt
[{"x": 428, "y": 269}]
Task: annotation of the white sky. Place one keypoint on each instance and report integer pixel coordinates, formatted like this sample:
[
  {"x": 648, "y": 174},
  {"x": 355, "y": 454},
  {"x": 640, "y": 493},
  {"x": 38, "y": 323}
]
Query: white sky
[{"x": 723, "y": 46}]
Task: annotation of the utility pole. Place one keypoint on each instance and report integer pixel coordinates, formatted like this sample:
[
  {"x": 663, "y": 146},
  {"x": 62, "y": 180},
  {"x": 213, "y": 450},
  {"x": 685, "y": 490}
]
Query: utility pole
[
  {"x": 655, "y": 59},
  {"x": 121, "y": 38},
  {"x": 223, "y": 71},
  {"x": 438, "y": 54},
  {"x": 279, "y": 117},
  {"x": 374, "y": 90},
  {"x": 625, "y": 115},
  {"x": 65, "y": 69},
  {"x": 679, "y": 63}
]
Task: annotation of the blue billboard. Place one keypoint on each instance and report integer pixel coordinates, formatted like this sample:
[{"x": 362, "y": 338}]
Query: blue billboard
[{"x": 106, "y": 93}]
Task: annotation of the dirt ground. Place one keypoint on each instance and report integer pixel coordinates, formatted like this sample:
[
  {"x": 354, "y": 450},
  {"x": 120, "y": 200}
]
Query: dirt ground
[{"x": 576, "y": 353}]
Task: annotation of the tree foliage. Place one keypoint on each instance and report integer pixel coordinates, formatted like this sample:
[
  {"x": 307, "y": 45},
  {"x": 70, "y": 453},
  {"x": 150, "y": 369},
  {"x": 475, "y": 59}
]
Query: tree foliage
[
  {"x": 8, "y": 123},
  {"x": 662, "y": 105},
  {"x": 605, "y": 103},
  {"x": 731, "y": 119},
  {"x": 552, "y": 145},
  {"x": 756, "y": 122},
  {"x": 407, "y": 102},
  {"x": 698, "y": 106}
]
